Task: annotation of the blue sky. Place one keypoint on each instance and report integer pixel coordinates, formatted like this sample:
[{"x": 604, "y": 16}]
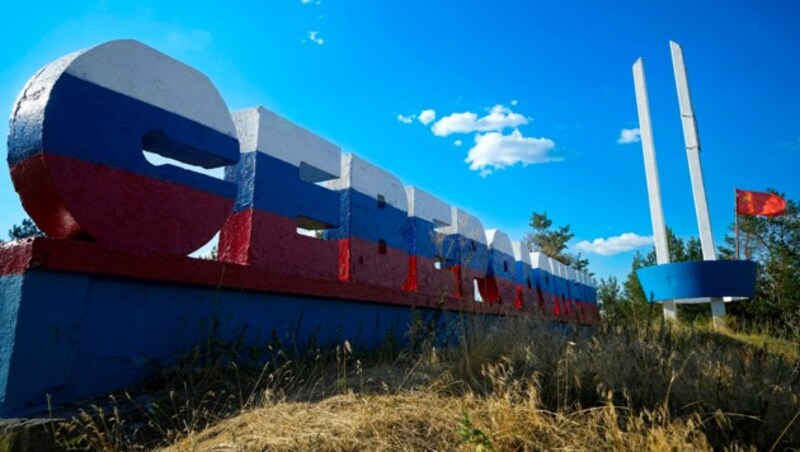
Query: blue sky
[{"x": 554, "y": 79}]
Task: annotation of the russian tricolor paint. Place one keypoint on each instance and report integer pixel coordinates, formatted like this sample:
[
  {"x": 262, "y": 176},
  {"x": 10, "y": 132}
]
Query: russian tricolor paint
[
  {"x": 313, "y": 243},
  {"x": 75, "y": 149}
]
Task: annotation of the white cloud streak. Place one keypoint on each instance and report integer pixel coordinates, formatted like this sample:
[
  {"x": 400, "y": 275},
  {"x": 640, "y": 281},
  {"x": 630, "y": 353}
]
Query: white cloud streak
[
  {"x": 427, "y": 116},
  {"x": 314, "y": 37},
  {"x": 494, "y": 151},
  {"x": 405, "y": 119},
  {"x": 499, "y": 118},
  {"x": 614, "y": 245},
  {"x": 628, "y": 136}
]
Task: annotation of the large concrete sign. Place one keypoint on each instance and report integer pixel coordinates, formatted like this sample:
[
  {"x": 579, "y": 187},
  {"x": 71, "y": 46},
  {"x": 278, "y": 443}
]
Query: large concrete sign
[
  {"x": 315, "y": 245},
  {"x": 76, "y": 140}
]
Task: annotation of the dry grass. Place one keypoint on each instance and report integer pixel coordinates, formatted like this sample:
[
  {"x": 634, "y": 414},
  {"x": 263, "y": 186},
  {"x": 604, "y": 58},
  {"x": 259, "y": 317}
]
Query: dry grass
[
  {"x": 425, "y": 420},
  {"x": 510, "y": 385}
]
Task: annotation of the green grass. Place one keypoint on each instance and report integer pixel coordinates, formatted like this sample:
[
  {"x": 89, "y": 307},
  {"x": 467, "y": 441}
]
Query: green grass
[{"x": 788, "y": 348}]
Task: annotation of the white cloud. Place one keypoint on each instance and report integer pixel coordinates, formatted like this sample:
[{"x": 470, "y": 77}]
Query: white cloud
[
  {"x": 627, "y": 136},
  {"x": 405, "y": 119},
  {"x": 313, "y": 36},
  {"x": 458, "y": 142},
  {"x": 514, "y": 103},
  {"x": 494, "y": 151},
  {"x": 499, "y": 118},
  {"x": 614, "y": 245},
  {"x": 427, "y": 116}
]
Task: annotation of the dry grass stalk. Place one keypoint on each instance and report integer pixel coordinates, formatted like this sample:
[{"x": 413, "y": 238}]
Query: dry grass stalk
[{"x": 511, "y": 385}]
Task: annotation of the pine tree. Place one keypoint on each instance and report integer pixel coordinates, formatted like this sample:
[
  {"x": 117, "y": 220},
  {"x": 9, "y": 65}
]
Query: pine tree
[
  {"x": 774, "y": 243},
  {"x": 553, "y": 242},
  {"x": 24, "y": 230}
]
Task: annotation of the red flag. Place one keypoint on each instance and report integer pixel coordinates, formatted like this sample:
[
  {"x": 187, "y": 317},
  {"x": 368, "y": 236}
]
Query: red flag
[{"x": 758, "y": 203}]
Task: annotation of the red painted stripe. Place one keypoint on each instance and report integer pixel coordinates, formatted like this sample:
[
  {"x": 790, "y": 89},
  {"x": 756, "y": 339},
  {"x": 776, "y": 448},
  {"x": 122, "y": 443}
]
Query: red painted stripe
[
  {"x": 91, "y": 258},
  {"x": 267, "y": 241},
  {"x": 518, "y": 298},
  {"x": 15, "y": 257},
  {"x": 411, "y": 283},
  {"x": 366, "y": 262},
  {"x": 531, "y": 300},
  {"x": 423, "y": 277},
  {"x": 71, "y": 198},
  {"x": 456, "y": 271},
  {"x": 344, "y": 261},
  {"x": 488, "y": 289},
  {"x": 507, "y": 289},
  {"x": 235, "y": 238},
  {"x": 541, "y": 299}
]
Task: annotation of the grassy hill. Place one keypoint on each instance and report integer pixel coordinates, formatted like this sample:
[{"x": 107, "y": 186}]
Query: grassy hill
[{"x": 517, "y": 385}]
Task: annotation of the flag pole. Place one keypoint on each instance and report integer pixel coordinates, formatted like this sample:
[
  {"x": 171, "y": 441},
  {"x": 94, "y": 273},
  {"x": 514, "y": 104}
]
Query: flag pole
[{"x": 736, "y": 220}]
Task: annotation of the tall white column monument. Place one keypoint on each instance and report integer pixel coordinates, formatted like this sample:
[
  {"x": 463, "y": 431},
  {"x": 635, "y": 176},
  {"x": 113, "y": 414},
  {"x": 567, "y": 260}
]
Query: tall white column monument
[
  {"x": 695, "y": 170},
  {"x": 651, "y": 172}
]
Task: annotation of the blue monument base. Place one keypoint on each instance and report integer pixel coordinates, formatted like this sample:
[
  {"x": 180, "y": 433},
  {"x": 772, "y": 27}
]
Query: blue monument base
[
  {"x": 697, "y": 281},
  {"x": 69, "y": 335},
  {"x": 90, "y": 330}
]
